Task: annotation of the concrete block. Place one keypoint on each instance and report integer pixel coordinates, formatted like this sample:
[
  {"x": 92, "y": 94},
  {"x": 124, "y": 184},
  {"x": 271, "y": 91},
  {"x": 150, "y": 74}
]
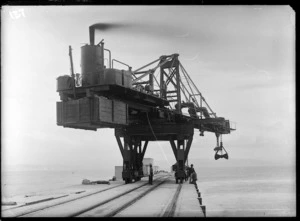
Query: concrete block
[
  {"x": 200, "y": 200},
  {"x": 9, "y": 203},
  {"x": 203, "y": 210},
  {"x": 39, "y": 201}
]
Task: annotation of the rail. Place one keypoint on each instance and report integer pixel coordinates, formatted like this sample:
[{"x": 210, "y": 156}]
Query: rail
[
  {"x": 14, "y": 211},
  {"x": 132, "y": 201},
  {"x": 129, "y": 68},
  {"x": 69, "y": 209},
  {"x": 172, "y": 206},
  {"x": 105, "y": 49}
]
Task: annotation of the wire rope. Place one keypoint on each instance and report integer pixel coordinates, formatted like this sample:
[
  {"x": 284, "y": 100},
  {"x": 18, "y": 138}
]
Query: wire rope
[{"x": 157, "y": 139}]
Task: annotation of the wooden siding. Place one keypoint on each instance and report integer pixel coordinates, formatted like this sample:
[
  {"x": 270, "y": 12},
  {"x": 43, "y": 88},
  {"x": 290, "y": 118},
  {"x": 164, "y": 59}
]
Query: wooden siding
[{"x": 98, "y": 110}]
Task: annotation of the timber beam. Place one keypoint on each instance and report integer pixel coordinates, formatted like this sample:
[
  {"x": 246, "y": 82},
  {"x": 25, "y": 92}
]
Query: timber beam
[{"x": 161, "y": 132}]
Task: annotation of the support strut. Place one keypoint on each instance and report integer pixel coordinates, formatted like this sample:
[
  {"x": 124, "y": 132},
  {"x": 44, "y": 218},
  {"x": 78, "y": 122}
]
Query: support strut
[
  {"x": 136, "y": 139},
  {"x": 133, "y": 155},
  {"x": 181, "y": 152}
]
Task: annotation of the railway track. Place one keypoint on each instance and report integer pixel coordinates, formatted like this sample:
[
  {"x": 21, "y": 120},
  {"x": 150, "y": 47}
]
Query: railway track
[
  {"x": 117, "y": 198},
  {"x": 128, "y": 202},
  {"x": 117, "y": 201},
  {"x": 124, "y": 201},
  {"x": 161, "y": 202},
  {"x": 27, "y": 209},
  {"x": 172, "y": 205},
  {"x": 64, "y": 201}
]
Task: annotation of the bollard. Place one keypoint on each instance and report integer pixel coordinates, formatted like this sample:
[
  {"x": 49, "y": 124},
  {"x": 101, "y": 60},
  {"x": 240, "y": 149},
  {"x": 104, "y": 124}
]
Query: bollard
[
  {"x": 199, "y": 194},
  {"x": 200, "y": 200},
  {"x": 203, "y": 210}
]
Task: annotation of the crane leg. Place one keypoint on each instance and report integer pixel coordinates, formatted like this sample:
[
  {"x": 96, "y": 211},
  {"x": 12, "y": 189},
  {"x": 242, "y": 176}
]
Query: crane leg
[
  {"x": 181, "y": 151},
  {"x": 138, "y": 159},
  {"x": 132, "y": 154}
]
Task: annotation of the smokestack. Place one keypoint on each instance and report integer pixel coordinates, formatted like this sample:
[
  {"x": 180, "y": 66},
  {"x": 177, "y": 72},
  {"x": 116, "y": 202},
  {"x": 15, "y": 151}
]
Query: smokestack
[
  {"x": 102, "y": 27},
  {"x": 92, "y": 35}
]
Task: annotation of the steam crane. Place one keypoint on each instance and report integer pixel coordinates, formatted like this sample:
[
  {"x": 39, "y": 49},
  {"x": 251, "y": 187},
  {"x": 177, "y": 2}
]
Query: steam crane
[{"x": 142, "y": 105}]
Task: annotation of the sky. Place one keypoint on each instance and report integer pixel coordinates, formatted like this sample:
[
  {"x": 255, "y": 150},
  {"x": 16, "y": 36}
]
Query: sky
[{"x": 242, "y": 59}]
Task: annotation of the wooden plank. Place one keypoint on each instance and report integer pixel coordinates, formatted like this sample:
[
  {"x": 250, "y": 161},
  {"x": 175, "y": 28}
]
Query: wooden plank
[
  {"x": 71, "y": 111},
  {"x": 59, "y": 113},
  {"x": 95, "y": 109},
  {"x": 120, "y": 112},
  {"x": 84, "y": 110},
  {"x": 105, "y": 110}
]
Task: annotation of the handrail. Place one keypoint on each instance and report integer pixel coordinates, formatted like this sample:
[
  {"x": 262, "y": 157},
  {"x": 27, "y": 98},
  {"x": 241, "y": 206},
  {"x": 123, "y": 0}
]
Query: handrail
[
  {"x": 109, "y": 56},
  {"x": 120, "y": 63}
]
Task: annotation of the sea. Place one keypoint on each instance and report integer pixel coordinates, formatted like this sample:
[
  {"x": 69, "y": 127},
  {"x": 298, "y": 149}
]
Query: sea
[
  {"x": 31, "y": 182},
  {"x": 249, "y": 191}
]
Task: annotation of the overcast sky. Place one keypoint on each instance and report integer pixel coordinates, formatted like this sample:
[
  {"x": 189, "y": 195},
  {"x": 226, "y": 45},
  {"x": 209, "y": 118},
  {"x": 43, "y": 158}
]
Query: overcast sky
[{"x": 242, "y": 59}]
